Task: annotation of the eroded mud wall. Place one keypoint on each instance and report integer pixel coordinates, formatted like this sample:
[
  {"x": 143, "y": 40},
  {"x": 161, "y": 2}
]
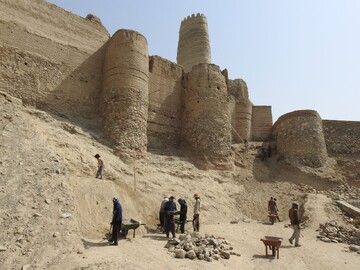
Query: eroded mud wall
[
  {"x": 241, "y": 110},
  {"x": 342, "y": 137},
  {"x": 124, "y": 98},
  {"x": 300, "y": 138},
  {"x": 50, "y": 57},
  {"x": 261, "y": 123},
  {"x": 206, "y": 117},
  {"x": 164, "y": 115}
]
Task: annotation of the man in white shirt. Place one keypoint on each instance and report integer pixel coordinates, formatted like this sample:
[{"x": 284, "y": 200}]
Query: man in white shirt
[{"x": 196, "y": 218}]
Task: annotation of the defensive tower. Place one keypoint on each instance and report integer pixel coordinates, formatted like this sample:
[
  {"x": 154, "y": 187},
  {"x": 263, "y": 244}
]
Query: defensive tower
[
  {"x": 125, "y": 92},
  {"x": 300, "y": 138},
  {"x": 194, "y": 44},
  {"x": 206, "y": 116},
  {"x": 242, "y": 110}
]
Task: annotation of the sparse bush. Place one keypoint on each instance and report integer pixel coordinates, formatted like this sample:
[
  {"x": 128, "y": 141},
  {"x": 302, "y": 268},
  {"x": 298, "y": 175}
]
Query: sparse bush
[{"x": 356, "y": 221}]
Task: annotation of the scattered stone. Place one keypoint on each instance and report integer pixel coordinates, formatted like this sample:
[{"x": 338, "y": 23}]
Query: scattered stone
[
  {"x": 180, "y": 253},
  {"x": 37, "y": 215},
  {"x": 225, "y": 254},
  {"x": 2, "y": 248},
  {"x": 57, "y": 171},
  {"x": 235, "y": 221},
  {"x": 47, "y": 201},
  {"x": 216, "y": 257},
  {"x": 191, "y": 254},
  {"x": 325, "y": 239},
  {"x": 208, "y": 259},
  {"x": 26, "y": 267},
  {"x": 331, "y": 232},
  {"x": 65, "y": 215},
  {"x": 56, "y": 234},
  {"x": 246, "y": 220},
  {"x": 354, "y": 248},
  {"x": 206, "y": 248}
]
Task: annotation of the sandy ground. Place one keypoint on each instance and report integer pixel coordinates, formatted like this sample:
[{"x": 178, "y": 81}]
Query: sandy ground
[
  {"x": 148, "y": 252},
  {"x": 55, "y": 214}
]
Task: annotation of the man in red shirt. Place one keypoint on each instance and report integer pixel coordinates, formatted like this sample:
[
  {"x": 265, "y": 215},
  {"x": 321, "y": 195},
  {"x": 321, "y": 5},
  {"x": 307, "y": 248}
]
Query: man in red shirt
[{"x": 295, "y": 222}]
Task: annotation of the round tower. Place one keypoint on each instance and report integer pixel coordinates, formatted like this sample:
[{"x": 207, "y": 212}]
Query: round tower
[
  {"x": 125, "y": 92},
  {"x": 206, "y": 116},
  {"x": 300, "y": 138},
  {"x": 242, "y": 110},
  {"x": 194, "y": 44}
]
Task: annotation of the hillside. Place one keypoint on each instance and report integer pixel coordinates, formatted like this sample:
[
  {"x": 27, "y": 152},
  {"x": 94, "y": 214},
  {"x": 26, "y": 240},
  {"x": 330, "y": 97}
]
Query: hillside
[{"x": 55, "y": 213}]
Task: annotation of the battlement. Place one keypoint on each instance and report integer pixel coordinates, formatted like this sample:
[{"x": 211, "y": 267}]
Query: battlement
[
  {"x": 194, "y": 42},
  {"x": 196, "y": 16}
]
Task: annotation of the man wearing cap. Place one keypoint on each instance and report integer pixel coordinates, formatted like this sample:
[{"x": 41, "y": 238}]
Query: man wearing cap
[
  {"x": 196, "y": 217},
  {"x": 170, "y": 210},
  {"x": 295, "y": 222},
  {"x": 116, "y": 222}
]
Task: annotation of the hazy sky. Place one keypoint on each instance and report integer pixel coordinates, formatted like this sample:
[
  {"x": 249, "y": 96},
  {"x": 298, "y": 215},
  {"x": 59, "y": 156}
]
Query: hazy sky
[{"x": 293, "y": 54}]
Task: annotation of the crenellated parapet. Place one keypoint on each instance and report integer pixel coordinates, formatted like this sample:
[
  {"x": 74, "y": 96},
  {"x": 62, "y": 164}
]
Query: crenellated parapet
[{"x": 194, "y": 43}]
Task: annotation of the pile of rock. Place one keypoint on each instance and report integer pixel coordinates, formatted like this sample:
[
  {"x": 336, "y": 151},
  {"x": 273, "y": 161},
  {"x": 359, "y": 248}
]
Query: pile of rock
[
  {"x": 194, "y": 246},
  {"x": 330, "y": 232},
  {"x": 306, "y": 189},
  {"x": 343, "y": 192}
]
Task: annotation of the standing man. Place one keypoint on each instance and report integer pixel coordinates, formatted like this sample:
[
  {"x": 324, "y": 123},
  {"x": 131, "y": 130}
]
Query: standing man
[
  {"x": 116, "y": 222},
  {"x": 101, "y": 167},
  {"x": 170, "y": 211},
  {"x": 295, "y": 222},
  {"x": 162, "y": 212},
  {"x": 196, "y": 218},
  {"x": 183, "y": 213}
]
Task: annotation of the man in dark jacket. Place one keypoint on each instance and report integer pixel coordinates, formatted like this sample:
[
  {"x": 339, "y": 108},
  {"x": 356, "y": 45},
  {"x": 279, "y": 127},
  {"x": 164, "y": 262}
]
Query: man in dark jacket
[
  {"x": 170, "y": 210},
  {"x": 183, "y": 213},
  {"x": 295, "y": 222},
  {"x": 116, "y": 222}
]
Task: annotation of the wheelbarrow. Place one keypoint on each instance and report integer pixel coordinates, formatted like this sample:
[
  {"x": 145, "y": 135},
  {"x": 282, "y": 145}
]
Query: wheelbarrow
[
  {"x": 177, "y": 222},
  {"x": 273, "y": 243},
  {"x": 132, "y": 225}
]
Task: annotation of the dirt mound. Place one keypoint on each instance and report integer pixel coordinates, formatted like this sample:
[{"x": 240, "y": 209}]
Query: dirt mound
[{"x": 54, "y": 210}]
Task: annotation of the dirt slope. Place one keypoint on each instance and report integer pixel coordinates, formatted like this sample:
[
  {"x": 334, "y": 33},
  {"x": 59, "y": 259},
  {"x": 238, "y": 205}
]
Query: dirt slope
[{"x": 55, "y": 214}]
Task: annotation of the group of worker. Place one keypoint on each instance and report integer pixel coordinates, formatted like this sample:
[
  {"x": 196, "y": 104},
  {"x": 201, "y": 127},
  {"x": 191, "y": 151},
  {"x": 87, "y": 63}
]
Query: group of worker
[
  {"x": 168, "y": 210},
  {"x": 293, "y": 216}
]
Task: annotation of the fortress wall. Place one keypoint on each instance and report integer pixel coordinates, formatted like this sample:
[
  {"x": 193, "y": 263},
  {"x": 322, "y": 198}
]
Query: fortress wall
[
  {"x": 164, "y": 113},
  {"x": 124, "y": 100},
  {"x": 261, "y": 123},
  {"x": 300, "y": 138},
  {"x": 241, "y": 110},
  {"x": 50, "y": 57},
  {"x": 206, "y": 117},
  {"x": 342, "y": 137},
  {"x": 194, "y": 43}
]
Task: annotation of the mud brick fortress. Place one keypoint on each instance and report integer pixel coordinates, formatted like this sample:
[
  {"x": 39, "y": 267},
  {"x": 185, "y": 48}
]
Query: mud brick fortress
[{"x": 70, "y": 66}]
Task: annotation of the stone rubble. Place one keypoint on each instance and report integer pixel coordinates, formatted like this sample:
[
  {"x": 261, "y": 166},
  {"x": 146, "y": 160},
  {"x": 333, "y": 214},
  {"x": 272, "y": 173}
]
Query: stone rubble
[
  {"x": 195, "y": 246},
  {"x": 330, "y": 232}
]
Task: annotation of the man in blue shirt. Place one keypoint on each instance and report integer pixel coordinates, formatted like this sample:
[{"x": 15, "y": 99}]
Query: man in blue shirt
[
  {"x": 170, "y": 210},
  {"x": 116, "y": 222}
]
